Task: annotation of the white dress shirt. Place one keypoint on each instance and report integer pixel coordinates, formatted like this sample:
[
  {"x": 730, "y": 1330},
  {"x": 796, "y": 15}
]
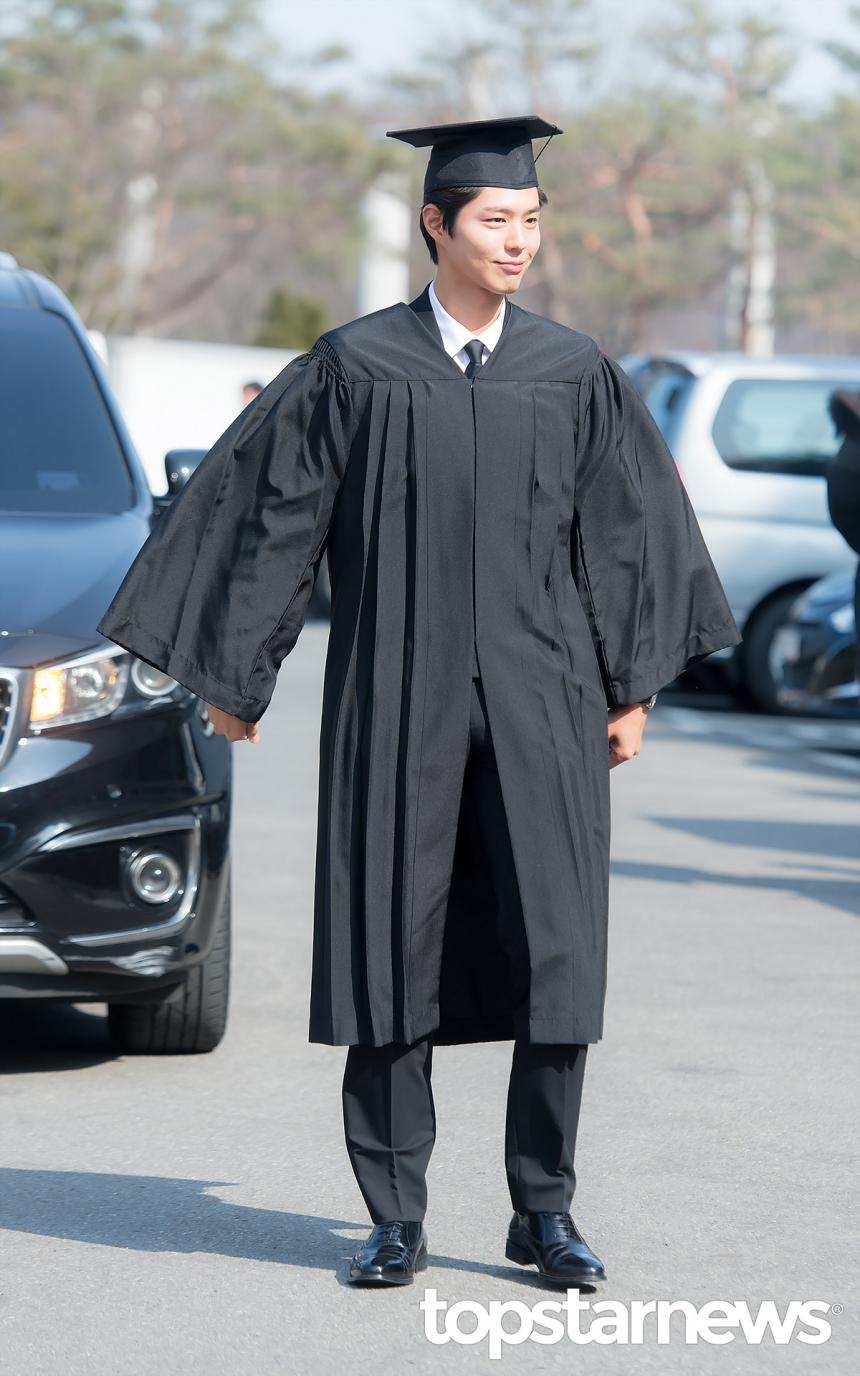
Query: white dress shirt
[{"x": 455, "y": 335}]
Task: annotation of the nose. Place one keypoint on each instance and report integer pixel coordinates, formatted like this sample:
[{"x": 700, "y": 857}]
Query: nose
[{"x": 515, "y": 242}]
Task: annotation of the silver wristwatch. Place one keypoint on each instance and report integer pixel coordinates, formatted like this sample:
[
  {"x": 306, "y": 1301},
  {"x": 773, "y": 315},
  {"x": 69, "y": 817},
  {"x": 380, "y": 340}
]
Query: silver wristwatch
[{"x": 649, "y": 702}]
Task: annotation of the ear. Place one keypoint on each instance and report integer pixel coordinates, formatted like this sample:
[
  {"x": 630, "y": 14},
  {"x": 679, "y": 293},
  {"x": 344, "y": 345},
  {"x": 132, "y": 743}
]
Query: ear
[{"x": 431, "y": 216}]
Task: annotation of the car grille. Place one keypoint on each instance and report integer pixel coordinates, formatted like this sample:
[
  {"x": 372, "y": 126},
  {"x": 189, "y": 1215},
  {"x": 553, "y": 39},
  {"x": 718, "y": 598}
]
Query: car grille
[
  {"x": 12, "y": 913},
  {"x": 7, "y": 702}
]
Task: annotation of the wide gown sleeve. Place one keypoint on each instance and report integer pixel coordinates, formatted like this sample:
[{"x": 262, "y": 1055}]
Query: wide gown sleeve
[
  {"x": 217, "y": 594},
  {"x": 649, "y": 589}
]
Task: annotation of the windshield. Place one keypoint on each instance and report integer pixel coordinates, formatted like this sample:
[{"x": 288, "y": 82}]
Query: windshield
[{"x": 59, "y": 451}]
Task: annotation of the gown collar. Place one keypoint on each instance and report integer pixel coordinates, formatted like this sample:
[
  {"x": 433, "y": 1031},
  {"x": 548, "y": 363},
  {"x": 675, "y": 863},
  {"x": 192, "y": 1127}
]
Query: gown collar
[
  {"x": 455, "y": 335},
  {"x": 425, "y": 320}
]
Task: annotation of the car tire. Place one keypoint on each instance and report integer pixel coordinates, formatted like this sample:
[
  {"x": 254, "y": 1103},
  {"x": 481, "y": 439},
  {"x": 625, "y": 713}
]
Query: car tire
[
  {"x": 757, "y": 679},
  {"x": 191, "y": 1020}
]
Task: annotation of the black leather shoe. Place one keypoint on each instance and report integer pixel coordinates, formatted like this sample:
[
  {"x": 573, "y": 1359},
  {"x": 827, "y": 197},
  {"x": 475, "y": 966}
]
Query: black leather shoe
[
  {"x": 391, "y": 1254},
  {"x": 553, "y": 1242}
]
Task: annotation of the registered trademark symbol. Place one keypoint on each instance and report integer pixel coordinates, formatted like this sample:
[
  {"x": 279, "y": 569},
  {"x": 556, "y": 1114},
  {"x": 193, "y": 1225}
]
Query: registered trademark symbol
[{"x": 836, "y": 1308}]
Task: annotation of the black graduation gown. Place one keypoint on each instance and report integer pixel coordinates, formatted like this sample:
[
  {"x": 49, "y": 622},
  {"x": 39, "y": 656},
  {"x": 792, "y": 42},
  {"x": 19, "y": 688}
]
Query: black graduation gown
[{"x": 539, "y": 507}]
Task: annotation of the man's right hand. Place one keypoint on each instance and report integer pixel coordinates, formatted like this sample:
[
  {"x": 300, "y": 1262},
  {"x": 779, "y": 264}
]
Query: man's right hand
[{"x": 233, "y": 727}]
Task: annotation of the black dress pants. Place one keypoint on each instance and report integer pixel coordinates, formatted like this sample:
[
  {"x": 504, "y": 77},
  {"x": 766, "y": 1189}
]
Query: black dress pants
[{"x": 388, "y": 1109}]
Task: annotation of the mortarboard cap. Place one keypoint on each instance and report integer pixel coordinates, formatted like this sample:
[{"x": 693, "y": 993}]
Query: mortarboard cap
[{"x": 479, "y": 152}]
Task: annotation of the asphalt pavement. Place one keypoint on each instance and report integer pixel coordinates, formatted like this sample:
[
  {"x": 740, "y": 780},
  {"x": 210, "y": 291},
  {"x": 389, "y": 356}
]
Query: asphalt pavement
[{"x": 196, "y": 1214}]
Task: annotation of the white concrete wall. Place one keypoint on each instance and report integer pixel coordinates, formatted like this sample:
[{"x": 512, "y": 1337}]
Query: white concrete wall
[{"x": 178, "y": 394}]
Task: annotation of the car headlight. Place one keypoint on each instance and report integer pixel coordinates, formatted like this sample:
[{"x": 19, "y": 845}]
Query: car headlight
[
  {"x": 95, "y": 685},
  {"x": 842, "y": 620}
]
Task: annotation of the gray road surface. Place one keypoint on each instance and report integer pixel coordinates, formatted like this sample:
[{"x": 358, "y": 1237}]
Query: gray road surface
[{"x": 196, "y": 1214}]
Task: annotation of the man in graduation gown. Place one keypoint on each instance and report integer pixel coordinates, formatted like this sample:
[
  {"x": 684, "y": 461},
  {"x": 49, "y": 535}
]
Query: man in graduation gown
[{"x": 516, "y": 570}]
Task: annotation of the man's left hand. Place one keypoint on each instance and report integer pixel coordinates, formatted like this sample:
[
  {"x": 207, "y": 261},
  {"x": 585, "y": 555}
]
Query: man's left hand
[{"x": 626, "y": 725}]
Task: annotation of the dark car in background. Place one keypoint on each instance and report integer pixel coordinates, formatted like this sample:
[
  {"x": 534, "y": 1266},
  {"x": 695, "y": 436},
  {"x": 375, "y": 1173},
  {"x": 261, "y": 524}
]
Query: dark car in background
[
  {"x": 114, "y": 790},
  {"x": 815, "y": 650}
]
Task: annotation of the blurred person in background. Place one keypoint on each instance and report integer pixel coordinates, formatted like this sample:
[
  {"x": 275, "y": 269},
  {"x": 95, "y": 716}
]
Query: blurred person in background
[
  {"x": 250, "y": 391},
  {"x": 843, "y": 488}
]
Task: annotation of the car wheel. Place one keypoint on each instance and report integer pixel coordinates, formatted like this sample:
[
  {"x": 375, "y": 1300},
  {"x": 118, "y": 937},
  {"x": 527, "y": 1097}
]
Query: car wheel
[
  {"x": 191, "y": 1021},
  {"x": 757, "y": 675}
]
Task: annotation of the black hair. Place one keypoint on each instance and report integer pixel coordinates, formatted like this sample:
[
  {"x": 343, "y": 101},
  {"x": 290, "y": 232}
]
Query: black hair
[
  {"x": 450, "y": 200},
  {"x": 844, "y": 408}
]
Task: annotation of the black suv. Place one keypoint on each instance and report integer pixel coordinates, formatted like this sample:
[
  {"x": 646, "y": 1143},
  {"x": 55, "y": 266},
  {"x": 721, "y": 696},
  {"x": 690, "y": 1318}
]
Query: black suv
[{"x": 114, "y": 790}]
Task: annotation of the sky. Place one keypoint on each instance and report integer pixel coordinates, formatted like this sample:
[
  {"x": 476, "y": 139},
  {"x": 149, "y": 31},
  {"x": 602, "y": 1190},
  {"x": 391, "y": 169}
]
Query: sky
[{"x": 388, "y": 34}]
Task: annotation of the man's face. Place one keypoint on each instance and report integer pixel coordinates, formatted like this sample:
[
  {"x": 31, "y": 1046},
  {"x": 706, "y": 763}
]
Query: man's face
[{"x": 499, "y": 229}]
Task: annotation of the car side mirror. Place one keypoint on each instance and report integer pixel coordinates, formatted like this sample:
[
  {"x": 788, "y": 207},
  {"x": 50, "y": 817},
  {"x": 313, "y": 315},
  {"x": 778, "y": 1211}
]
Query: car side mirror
[{"x": 179, "y": 464}]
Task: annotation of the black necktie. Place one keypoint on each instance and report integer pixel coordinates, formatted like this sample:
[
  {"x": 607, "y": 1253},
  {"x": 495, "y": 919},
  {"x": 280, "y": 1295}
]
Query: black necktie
[{"x": 475, "y": 350}]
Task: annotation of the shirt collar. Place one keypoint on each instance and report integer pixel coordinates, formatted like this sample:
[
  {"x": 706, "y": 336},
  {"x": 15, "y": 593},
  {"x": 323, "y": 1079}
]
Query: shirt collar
[{"x": 455, "y": 335}]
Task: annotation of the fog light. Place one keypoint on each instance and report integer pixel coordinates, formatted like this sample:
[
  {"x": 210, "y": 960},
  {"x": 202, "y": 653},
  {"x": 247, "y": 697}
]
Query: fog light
[
  {"x": 155, "y": 876},
  {"x": 151, "y": 682}
]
